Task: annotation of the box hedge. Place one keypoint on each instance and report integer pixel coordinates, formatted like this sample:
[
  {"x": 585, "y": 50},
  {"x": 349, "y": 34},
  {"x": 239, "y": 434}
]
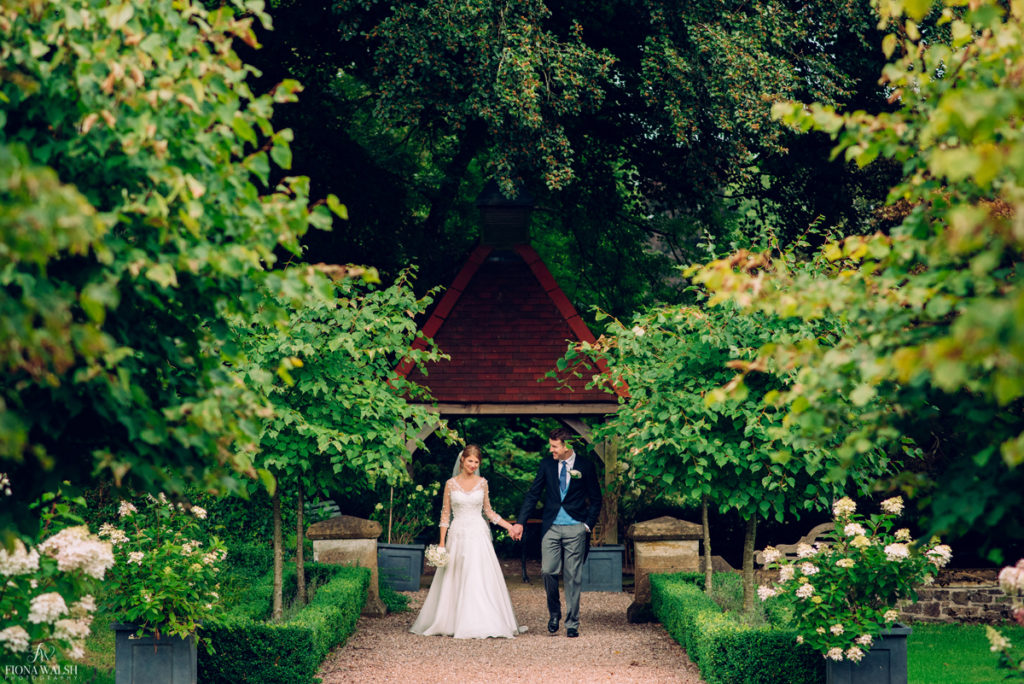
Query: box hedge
[
  {"x": 726, "y": 650},
  {"x": 249, "y": 649}
]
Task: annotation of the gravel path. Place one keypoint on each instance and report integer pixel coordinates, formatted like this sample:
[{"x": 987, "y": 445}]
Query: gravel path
[{"x": 609, "y": 649}]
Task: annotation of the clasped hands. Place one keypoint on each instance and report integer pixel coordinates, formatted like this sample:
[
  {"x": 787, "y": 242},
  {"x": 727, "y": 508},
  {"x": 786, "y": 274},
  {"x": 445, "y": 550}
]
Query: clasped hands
[{"x": 516, "y": 532}]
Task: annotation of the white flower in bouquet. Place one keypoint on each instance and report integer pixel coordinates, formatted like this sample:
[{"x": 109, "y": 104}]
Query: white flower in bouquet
[{"x": 436, "y": 556}]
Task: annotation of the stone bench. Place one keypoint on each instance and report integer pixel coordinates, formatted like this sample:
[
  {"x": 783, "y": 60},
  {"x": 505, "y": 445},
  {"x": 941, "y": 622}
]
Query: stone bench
[{"x": 816, "y": 534}]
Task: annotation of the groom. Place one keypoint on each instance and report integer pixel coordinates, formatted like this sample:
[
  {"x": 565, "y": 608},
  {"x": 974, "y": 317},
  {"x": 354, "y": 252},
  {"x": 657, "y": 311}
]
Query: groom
[{"x": 572, "y": 502}]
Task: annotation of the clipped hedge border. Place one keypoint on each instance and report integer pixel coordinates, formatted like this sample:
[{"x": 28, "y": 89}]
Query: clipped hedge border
[
  {"x": 725, "y": 650},
  {"x": 249, "y": 650}
]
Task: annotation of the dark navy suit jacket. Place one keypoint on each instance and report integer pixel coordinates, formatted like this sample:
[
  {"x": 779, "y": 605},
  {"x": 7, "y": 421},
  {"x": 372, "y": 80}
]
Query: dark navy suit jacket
[{"x": 582, "y": 500}]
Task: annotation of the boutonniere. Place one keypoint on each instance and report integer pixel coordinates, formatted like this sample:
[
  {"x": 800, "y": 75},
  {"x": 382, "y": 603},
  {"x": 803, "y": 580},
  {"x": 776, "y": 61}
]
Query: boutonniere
[{"x": 575, "y": 474}]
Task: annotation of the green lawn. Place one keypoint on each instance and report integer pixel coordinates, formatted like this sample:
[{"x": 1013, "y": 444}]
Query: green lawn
[{"x": 955, "y": 654}]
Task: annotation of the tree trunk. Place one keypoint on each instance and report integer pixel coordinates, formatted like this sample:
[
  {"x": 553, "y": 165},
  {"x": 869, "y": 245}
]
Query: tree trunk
[
  {"x": 706, "y": 529},
  {"x": 748, "y": 565},
  {"x": 300, "y": 561},
  {"x": 278, "y": 557}
]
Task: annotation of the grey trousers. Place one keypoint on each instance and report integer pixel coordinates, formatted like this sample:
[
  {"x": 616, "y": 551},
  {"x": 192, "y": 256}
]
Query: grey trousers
[{"x": 568, "y": 541}]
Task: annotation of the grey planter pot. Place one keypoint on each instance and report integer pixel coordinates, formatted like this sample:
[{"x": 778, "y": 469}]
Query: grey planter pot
[
  {"x": 885, "y": 663},
  {"x": 602, "y": 570},
  {"x": 148, "y": 660},
  {"x": 400, "y": 565}
]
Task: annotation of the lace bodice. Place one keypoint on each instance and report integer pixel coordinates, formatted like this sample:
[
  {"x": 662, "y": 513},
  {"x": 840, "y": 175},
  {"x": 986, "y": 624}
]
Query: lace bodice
[{"x": 460, "y": 503}]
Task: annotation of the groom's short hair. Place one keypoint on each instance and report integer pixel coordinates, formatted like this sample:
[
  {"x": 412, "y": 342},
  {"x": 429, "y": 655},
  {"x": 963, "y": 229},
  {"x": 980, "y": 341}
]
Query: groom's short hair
[{"x": 561, "y": 434}]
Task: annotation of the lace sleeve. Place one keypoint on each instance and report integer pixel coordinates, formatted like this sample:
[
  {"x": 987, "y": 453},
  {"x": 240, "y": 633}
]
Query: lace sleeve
[
  {"x": 446, "y": 507},
  {"x": 488, "y": 511}
]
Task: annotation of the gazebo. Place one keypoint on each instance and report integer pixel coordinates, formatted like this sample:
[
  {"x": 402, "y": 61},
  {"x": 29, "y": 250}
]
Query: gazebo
[{"x": 505, "y": 322}]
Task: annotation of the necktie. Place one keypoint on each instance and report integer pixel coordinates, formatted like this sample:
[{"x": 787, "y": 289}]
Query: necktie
[{"x": 563, "y": 478}]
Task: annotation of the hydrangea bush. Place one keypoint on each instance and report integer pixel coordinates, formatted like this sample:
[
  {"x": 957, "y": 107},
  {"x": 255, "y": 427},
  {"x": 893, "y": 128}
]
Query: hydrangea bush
[
  {"x": 47, "y": 589},
  {"x": 1011, "y": 581},
  {"x": 165, "y": 580},
  {"x": 844, "y": 591}
]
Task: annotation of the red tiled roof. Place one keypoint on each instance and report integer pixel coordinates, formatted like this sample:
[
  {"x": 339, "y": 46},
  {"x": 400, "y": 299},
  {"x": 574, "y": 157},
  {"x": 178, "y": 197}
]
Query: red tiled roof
[{"x": 505, "y": 323}]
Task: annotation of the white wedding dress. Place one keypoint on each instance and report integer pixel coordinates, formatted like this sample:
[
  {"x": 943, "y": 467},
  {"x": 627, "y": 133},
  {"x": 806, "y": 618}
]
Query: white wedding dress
[{"x": 468, "y": 598}]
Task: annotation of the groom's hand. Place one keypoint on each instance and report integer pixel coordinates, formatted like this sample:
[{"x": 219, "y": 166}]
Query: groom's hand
[{"x": 517, "y": 532}]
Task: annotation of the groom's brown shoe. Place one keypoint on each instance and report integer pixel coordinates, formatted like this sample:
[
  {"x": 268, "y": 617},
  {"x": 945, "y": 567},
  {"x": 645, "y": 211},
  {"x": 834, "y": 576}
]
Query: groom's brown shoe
[
  {"x": 553, "y": 624},
  {"x": 571, "y": 632}
]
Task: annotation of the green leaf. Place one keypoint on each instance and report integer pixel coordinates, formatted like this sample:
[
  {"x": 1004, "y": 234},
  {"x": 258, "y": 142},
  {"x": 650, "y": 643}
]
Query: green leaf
[{"x": 162, "y": 274}]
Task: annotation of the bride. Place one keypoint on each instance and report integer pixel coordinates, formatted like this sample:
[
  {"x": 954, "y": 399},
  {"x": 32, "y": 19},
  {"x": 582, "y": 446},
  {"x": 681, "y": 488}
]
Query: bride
[{"x": 468, "y": 598}]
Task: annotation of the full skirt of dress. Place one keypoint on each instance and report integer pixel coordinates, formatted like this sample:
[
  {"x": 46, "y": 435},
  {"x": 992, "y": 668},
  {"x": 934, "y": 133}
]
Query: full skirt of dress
[{"x": 468, "y": 598}]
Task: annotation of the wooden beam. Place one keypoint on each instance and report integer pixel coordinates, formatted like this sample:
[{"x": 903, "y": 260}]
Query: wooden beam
[{"x": 581, "y": 409}]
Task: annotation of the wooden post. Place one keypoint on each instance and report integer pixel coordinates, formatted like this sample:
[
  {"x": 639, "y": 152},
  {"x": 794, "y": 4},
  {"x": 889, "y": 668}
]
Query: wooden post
[
  {"x": 391, "y": 512},
  {"x": 610, "y": 504}
]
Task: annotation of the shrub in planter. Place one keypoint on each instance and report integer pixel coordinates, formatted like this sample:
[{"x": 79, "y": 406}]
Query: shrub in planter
[
  {"x": 844, "y": 592},
  {"x": 164, "y": 580}
]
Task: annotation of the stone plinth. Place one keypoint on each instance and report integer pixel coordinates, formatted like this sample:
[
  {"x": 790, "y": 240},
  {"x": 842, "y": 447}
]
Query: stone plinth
[
  {"x": 345, "y": 540},
  {"x": 664, "y": 544}
]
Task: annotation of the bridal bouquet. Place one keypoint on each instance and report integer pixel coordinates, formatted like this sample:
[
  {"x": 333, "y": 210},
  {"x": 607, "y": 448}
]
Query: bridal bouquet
[{"x": 436, "y": 556}]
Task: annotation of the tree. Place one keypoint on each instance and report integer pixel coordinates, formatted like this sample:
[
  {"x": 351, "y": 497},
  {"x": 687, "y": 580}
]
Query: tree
[
  {"x": 935, "y": 307},
  {"x": 642, "y": 128},
  {"x": 137, "y": 220},
  {"x": 342, "y": 420},
  {"x": 682, "y": 436}
]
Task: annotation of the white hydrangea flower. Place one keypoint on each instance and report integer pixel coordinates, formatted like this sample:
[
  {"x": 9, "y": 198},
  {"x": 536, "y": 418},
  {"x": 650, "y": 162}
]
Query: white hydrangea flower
[
  {"x": 897, "y": 552},
  {"x": 805, "y": 551},
  {"x": 891, "y": 615},
  {"x": 46, "y": 608},
  {"x": 997, "y": 642},
  {"x": 808, "y": 569},
  {"x": 77, "y": 650},
  {"x": 765, "y": 592},
  {"x": 844, "y": 507},
  {"x": 853, "y": 529},
  {"x": 771, "y": 554},
  {"x": 70, "y": 629},
  {"x": 786, "y": 573},
  {"x": 805, "y": 591},
  {"x": 855, "y": 654},
  {"x": 940, "y": 555},
  {"x": 75, "y": 548},
  {"x": 116, "y": 535},
  {"x": 893, "y": 506},
  {"x": 902, "y": 534},
  {"x": 835, "y": 653},
  {"x": 15, "y": 638},
  {"x": 83, "y": 606},
  {"x": 845, "y": 563},
  {"x": 126, "y": 508},
  {"x": 21, "y": 561},
  {"x": 837, "y": 629}
]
